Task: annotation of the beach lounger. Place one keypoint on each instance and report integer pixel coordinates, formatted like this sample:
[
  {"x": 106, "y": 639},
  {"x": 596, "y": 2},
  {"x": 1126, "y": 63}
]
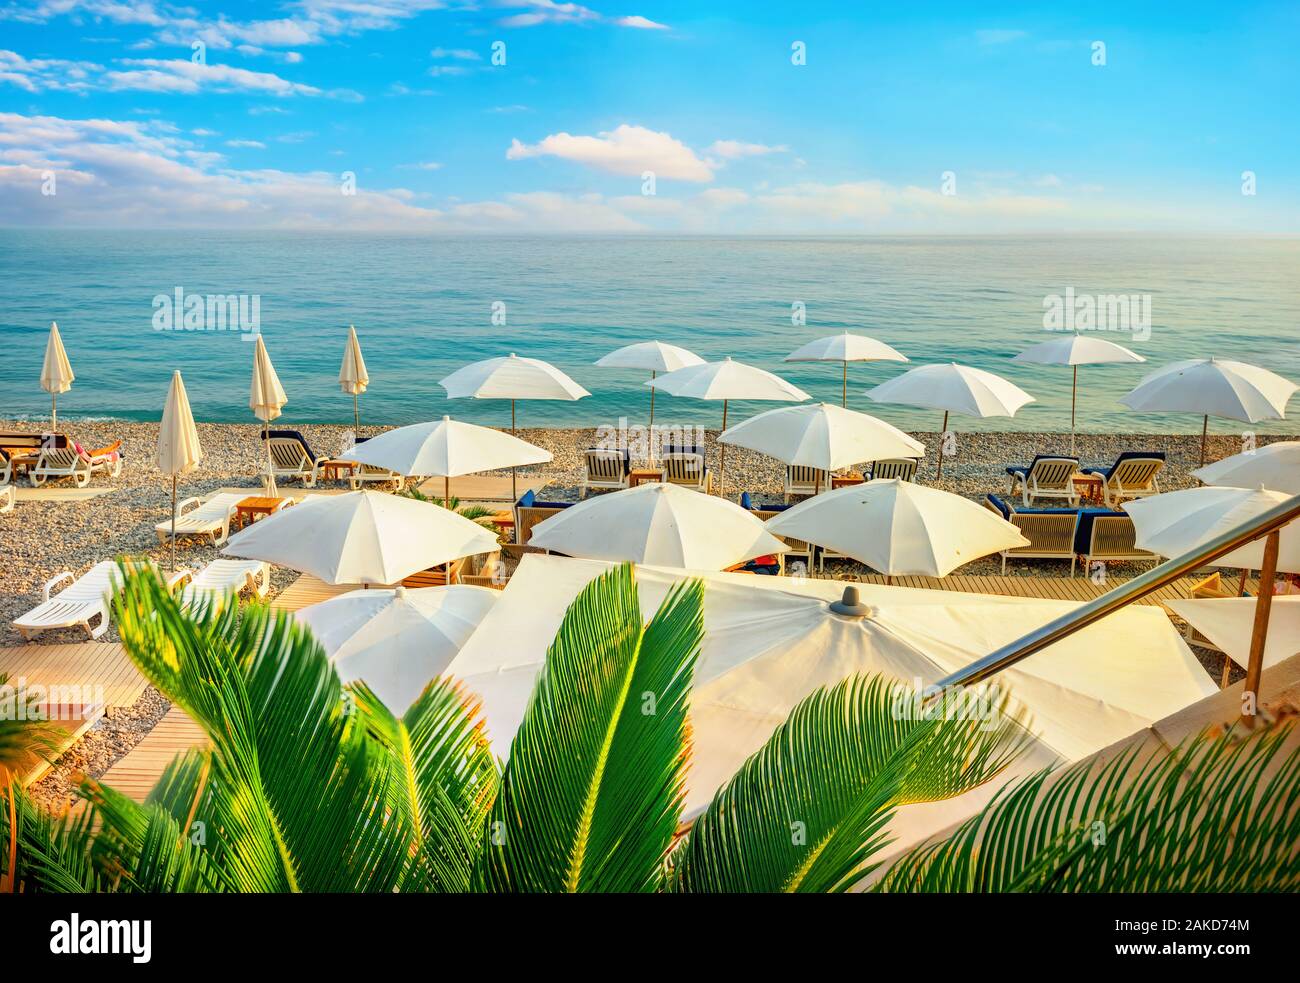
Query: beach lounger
[
  {"x": 686, "y": 468},
  {"x": 368, "y": 474},
  {"x": 439, "y": 576},
  {"x": 7, "y": 498},
  {"x": 1135, "y": 474},
  {"x": 484, "y": 570},
  {"x": 606, "y": 470},
  {"x": 292, "y": 458},
  {"x": 529, "y": 511},
  {"x": 1051, "y": 533},
  {"x": 762, "y": 513},
  {"x": 903, "y": 468},
  {"x": 1113, "y": 538},
  {"x": 221, "y": 579},
  {"x": 85, "y": 599},
  {"x": 210, "y": 519},
  {"x": 800, "y": 480},
  {"x": 1048, "y": 477},
  {"x": 60, "y": 462}
]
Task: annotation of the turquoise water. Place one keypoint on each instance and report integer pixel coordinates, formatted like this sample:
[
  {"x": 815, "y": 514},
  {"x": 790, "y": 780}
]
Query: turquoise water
[{"x": 423, "y": 306}]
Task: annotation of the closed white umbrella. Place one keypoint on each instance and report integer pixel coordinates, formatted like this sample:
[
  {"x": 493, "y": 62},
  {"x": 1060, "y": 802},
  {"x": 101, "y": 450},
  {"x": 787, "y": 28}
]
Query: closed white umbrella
[
  {"x": 446, "y": 448},
  {"x": 727, "y": 380},
  {"x": 179, "y": 450},
  {"x": 353, "y": 377},
  {"x": 1075, "y": 350},
  {"x": 822, "y": 436},
  {"x": 1275, "y": 467},
  {"x": 899, "y": 527},
  {"x": 846, "y": 348},
  {"x": 397, "y": 641},
  {"x": 56, "y": 373},
  {"x": 361, "y": 537},
  {"x": 953, "y": 388},
  {"x": 1213, "y": 387},
  {"x": 1177, "y": 522},
  {"x": 266, "y": 398},
  {"x": 653, "y": 357},
  {"x": 660, "y": 524},
  {"x": 511, "y": 378}
]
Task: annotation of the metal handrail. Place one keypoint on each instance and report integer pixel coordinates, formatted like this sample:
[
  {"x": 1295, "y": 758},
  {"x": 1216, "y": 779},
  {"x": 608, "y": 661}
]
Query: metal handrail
[{"x": 1121, "y": 596}]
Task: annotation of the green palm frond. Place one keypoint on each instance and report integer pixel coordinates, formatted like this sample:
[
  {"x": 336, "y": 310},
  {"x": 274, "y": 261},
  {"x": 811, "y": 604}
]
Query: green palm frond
[
  {"x": 592, "y": 790},
  {"x": 450, "y": 781},
  {"x": 1216, "y": 814},
  {"x": 23, "y": 742},
  {"x": 53, "y": 853},
  {"x": 809, "y": 809}
]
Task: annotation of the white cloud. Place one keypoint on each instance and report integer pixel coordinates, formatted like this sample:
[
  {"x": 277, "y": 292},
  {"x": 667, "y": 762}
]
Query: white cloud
[
  {"x": 999, "y": 36},
  {"x": 250, "y": 144},
  {"x": 424, "y": 165},
  {"x": 459, "y": 54},
  {"x": 642, "y": 23},
  {"x": 551, "y": 12},
  {"x": 184, "y": 76},
  {"x": 626, "y": 150},
  {"x": 40, "y": 74},
  {"x": 735, "y": 149}
]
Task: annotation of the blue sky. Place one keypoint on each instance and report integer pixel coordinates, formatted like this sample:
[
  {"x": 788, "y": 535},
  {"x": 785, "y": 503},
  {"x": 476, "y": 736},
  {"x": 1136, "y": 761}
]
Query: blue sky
[{"x": 905, "y": 118}]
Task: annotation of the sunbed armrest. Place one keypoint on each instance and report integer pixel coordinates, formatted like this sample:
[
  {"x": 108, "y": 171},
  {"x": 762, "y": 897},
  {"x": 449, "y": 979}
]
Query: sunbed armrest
[
  {"x": 179, "y": 579},
  {"x": 183, "y": 504},
  {"x": 55, "y": 581}
]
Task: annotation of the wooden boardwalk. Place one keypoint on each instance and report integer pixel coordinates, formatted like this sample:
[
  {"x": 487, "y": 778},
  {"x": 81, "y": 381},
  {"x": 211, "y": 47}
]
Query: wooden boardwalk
[
  {"x": 136, "y": 773},
  {"x": 100, "y": 670},
  {"x": 307, "y": 590}
]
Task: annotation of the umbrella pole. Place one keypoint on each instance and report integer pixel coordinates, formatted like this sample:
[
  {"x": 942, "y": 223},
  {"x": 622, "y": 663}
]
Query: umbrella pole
[
  {"x": 1074, "y": 392},
  {"x": 54, "y": 413},
  {"x": 722, "y": 468},
  {"x": 514, "y": 469},
  {"x": 173, "y": 560},
  {"x": 939, "y": 471},
  {"x": 356, "y": 415},
  {"x": 1205, "y": 426},
  {"x": 651, "y": 435},
  {"x": 844, "y": 387},
  {"x": 446, "y": 491},
  {"x": 1259, "y": 631}
]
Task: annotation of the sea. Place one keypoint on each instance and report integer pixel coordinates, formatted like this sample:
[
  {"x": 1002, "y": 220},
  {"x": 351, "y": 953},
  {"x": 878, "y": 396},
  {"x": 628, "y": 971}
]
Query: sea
[{"x": 425, "y": 305}]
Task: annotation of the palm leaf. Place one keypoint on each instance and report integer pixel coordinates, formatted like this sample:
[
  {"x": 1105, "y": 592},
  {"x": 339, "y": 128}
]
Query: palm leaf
[
  {"x": 592, "y": 790},
  {"x": 23, "y": 742},
  {"x": 53, "y": 853},
  {"x": 809, "y": 809},
  {"x": 1216, "y": 814}
]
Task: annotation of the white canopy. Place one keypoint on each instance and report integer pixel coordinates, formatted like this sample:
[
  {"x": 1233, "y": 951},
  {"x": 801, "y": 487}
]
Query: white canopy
[
  {"x": 1176, "y": 522},
  {"x": 771, "y": 641},
  {"x": 362, "y": 537},
  {"x": 1275, "y": 467},
  {"x": 353, "y": 377},
  {"x": 179, "y": 450},
  {"x": 445, "y": 448},
  {"x": 56, "y": 372},
  {"x": 822, "y": 435},
  {"x": 266, "y": 397},
  {"x": 511, "y": 377},
  {"x": 662, "y": 524},
  {"x": 650, "y": 356},
  {"x": 396, "y": 641},
  {"x": 726, "y": 380},
  {"x": 1228, "y": 621},
  {"x": 898, "y": 527},
  {"x": 845, "y": 348}
]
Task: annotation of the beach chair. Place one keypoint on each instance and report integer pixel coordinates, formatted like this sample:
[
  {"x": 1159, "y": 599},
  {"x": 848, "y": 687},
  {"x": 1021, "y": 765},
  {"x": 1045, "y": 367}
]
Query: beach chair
[
  {"x": 797, "y": 546},
  {"x": 203, "y": 519},
  {"x": 1051, "y": 533},
  {"x": 221, "y": 579},
  {"x": 369, "y": 474},
  {"x": 605, "y": 470},
  {"x": 106, "y": 459},
  {"x": 85, "y": 599},
  {"x": 529, "y": 511},
  {"x": 686, "y": 468},
  {"x": 1047, "y": 477},
  {"x": 485, "y": 570},
  {"x": 292, "y": 458},
  {"x": 800, "y": 480},
  {"x": 1111, "y": 538},
  {"x": 7, "y": 498},
  {"x": 902, "y": 468},
  {"x": 439, "y": 576},
  {"x": 1135, "y": 474},
  {"x": 60, "y": 462}
]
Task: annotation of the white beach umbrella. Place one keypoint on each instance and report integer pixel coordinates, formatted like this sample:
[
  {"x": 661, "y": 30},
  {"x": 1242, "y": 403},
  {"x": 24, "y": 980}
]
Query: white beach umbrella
[
  {"x": 845, "y": 348},
  {"x": 653, "y": 357},
  {"x": 179, "y": 450},
  {"x": 1275, "y": 467},
  {"x": 56, "y": 373},
  {"x": 266, "y": 398},
  {"x": 445, "y": 448},
  {"x": 353, "y": 377},
  {"x": 397, "y": 641},
  {"x": 362, "y": 537},
  {"x": 660, "y": 524},
  {"x": 1229, "y": 623},
  {"x": 727, "y": 380},
  {"x": 953, "y": 388},
  {"x": 512, "y": 378},
  {"x": 1213, "y": 387},
  {"x": 822, "y": 436},
  {"x": 1075, "y": 350},
  {"x": 771, "y": 641},
  {"x": 1177, "y": 522},
  {"x": 899, "y": 527}
]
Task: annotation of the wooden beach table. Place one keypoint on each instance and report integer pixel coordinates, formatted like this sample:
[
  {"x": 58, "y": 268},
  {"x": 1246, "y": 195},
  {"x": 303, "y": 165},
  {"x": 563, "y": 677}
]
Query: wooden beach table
[
  {"x": 1088, "y": 486},
  {"x": 639, "y": 476},
  {"x": 844, "y": 480},
  {"x": 255, "y": 506}
]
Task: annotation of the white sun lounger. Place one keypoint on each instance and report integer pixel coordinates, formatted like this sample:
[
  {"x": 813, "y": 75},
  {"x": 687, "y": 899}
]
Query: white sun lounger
[
  {"x": 77, "y": 605},
  {"x": 210, "y": 519},
  {"x": 60, "y": 462},
  {"x": 223, "y": 578}
]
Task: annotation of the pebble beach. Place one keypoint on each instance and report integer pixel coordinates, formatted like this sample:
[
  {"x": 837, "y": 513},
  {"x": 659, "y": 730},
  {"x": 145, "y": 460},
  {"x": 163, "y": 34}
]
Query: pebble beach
[{"x": 41, "y": 538}]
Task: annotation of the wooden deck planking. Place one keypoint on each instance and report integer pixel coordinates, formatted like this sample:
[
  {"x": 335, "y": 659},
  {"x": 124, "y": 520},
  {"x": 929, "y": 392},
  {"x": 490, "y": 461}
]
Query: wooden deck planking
[
  {"x": 1077, "y": 589},
  {"x": 135, "y": 774},
  {"x": 85, "y": 665},
  {"x": 308, "y": 590}
]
